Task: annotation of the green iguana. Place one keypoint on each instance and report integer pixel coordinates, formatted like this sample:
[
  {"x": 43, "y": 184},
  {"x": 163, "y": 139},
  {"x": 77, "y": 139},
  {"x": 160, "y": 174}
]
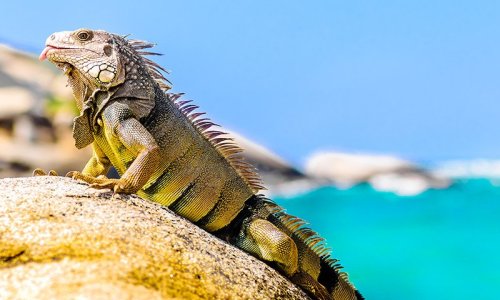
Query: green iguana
[{"x": 166, "y": 152}]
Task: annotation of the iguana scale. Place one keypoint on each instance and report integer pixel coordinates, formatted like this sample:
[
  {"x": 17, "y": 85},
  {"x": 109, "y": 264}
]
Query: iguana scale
[{"x": 167, "y": 152}]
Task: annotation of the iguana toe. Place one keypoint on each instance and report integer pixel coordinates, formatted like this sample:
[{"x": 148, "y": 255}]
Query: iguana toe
[
  {"x": 40, "y": 172},
  {"x": 102, "y": 182},
  {"x": 117, "y": 185},
  {"x": 73, "y": 174}
]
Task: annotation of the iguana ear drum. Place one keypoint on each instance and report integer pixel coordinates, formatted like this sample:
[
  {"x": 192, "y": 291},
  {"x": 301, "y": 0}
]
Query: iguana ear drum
[{"x": 108, "y": 50}]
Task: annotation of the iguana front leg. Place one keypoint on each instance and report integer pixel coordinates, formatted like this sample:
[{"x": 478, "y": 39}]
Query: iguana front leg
[
  {"x": 124, "y": 130},
  {"x": 96, "y": 168}
]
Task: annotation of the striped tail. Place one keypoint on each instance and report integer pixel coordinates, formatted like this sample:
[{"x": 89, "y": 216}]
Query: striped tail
[{"x": 318, "y": 273}]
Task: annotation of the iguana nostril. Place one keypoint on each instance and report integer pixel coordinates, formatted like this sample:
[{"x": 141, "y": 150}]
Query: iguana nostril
[{"x": 53, "y": 37}]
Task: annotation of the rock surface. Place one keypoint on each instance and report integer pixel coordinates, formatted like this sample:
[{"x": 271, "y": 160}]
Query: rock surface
[
  {"x": 60, "y": 239},
  {"x": 384, "y": 173}
]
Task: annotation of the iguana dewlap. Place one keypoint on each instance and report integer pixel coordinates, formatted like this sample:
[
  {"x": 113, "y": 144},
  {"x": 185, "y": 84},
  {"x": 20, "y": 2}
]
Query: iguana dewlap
[{"x": 166, "y": 152}]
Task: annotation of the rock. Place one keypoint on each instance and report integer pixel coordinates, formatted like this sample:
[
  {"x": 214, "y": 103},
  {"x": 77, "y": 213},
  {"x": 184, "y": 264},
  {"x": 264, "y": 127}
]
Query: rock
[
  {"x": 15, "y": 101},
  {"x": 385, "y": 173},
  {"x": 404, "y": 184},
  {"x": 350, "y": 168},
  {"x": 60, "y": 239},
  {"x": 279, "y": 176},
  {"x": 29, "y": 92},
  {"x": 61, "y": 156},
  {"x": 24, "y": 70}
]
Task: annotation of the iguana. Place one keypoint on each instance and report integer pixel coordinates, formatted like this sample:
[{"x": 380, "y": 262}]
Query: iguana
[{"x": 167, "y": 152}]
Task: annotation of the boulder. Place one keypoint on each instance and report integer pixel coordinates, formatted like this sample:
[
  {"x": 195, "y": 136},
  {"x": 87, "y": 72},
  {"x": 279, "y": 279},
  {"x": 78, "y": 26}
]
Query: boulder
[
  {"x": 384, "y": 173},
  {"x": 280, "y": 177},
  {"x": 60, "y": 239}
]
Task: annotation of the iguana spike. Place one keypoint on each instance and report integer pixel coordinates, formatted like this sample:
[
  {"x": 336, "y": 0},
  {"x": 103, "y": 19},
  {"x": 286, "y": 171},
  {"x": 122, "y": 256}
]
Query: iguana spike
[
  {"x": 231, "y": 151},
  {"x": 149, "y": 53},
  {"x": 311, "y": 243},
  {"x": 198, "y": 121},
  {"x": 214, "y": 133},
  {"x": 204, "y": 126},
  {"x": 218, "y": 140},
  {"x": 174, "y": 97},
  {"x": 153, "y": 68},
  {"x": 157, "y": 66},
  {"x": 181, "y": 103},
  {"x": 205, "y": 122},
  {"x": 193, "y": 116},
  {"x": 188, "y": 108},
  {"x": 139, "y": 44}
]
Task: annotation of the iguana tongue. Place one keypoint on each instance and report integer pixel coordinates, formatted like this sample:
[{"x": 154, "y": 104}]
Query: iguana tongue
[{"x": 43, "y": 55}]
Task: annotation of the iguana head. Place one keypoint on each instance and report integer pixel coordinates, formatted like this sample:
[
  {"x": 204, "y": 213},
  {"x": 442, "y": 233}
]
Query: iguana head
[
  {"x": 96, "y": 59},
  {"x": 86, "y": 55}
]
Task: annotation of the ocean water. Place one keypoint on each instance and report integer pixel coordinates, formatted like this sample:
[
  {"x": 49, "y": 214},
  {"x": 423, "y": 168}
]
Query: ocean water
[{"x": 442, "y": 244}]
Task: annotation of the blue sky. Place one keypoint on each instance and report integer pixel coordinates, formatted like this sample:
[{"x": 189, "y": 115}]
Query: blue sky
[{"x": 419, "y": 79}]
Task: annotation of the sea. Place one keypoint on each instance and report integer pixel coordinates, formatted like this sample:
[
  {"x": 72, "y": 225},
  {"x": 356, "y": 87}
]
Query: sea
[{"x": 441, "y": 244}]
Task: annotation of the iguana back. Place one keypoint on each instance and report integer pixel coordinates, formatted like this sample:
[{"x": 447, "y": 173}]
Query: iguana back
[
  {"x": 170, "y": 154},
  {"x": 197, "y": 176}
]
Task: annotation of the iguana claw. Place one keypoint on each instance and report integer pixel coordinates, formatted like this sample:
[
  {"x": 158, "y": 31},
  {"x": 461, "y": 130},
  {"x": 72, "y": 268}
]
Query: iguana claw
[
  {"x": 102, "y": 182},
  {"x": 40, "y": 172},
  {"x": 73, "y": 174}
]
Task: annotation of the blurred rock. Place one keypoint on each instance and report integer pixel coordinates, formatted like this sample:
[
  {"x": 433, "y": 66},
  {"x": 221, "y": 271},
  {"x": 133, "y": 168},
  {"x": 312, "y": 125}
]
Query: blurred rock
[
  {"x": 25, "y": 84},
  {"x": 18, "y": 68},
  {"x": 60, "y": 239},
  {"x": 15, "y": 101},
  {"x": 407, "y": 183},
  {"x": 385, "y": 173},
  {"x": 280, "y": 177},
  {"x": 29, "y": 136},
  {"x": 62, "y": 157}
]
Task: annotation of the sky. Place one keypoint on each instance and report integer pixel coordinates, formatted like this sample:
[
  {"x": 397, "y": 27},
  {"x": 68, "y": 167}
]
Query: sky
[{"x": 417, "y": 79}]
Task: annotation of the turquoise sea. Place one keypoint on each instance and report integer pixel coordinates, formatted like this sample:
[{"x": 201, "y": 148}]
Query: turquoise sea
[{"x": 442, "y": 244}]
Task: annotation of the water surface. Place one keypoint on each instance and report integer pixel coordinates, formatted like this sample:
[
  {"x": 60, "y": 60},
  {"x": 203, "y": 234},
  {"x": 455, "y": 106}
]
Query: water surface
[{"x": 442, "y": 244}]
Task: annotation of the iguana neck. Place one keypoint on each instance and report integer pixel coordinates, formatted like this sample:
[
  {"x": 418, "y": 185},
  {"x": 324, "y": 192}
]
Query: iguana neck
[
  {"x": 137, "y": 84},
  {"x": 82, "y": 88}
]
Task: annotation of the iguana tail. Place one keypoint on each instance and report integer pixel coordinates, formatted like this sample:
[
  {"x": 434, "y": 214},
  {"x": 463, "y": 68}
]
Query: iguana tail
[
  {"x": 282, "y": 240},
  {"x": 315, "y": 265}
]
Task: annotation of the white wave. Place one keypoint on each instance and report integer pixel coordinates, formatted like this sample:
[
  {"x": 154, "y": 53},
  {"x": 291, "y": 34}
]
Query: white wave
[{"x": 477, "y": 168}]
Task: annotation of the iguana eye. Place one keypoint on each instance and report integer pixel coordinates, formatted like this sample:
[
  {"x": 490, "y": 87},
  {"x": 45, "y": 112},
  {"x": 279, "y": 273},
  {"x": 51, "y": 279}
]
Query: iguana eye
[{"x": 84, "y": 35}]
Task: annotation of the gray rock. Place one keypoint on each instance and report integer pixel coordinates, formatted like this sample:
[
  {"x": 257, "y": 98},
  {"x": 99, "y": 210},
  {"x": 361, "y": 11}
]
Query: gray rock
[
  {"x": 60, "y": 239},
  {"x": 280, "y": 177},
  {"x": 384, "y": 173}
]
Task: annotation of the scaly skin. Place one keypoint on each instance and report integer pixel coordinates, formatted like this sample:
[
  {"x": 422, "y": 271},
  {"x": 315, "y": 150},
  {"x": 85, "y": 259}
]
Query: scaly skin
[{"x": 166, "y": 153}]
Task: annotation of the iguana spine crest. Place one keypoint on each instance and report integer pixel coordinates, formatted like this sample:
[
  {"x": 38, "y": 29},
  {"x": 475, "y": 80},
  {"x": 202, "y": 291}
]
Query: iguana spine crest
[
  {"x": 224, "y": 144},
  {"x": 219, "y": 139}
]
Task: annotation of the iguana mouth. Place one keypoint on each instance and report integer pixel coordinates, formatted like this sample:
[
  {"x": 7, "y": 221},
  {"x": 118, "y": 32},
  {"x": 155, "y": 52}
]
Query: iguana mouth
[
  {"x": 48, "y": 47},
  {"x": 43, "y": 55},
  {"x": 65, "y": 66}
]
